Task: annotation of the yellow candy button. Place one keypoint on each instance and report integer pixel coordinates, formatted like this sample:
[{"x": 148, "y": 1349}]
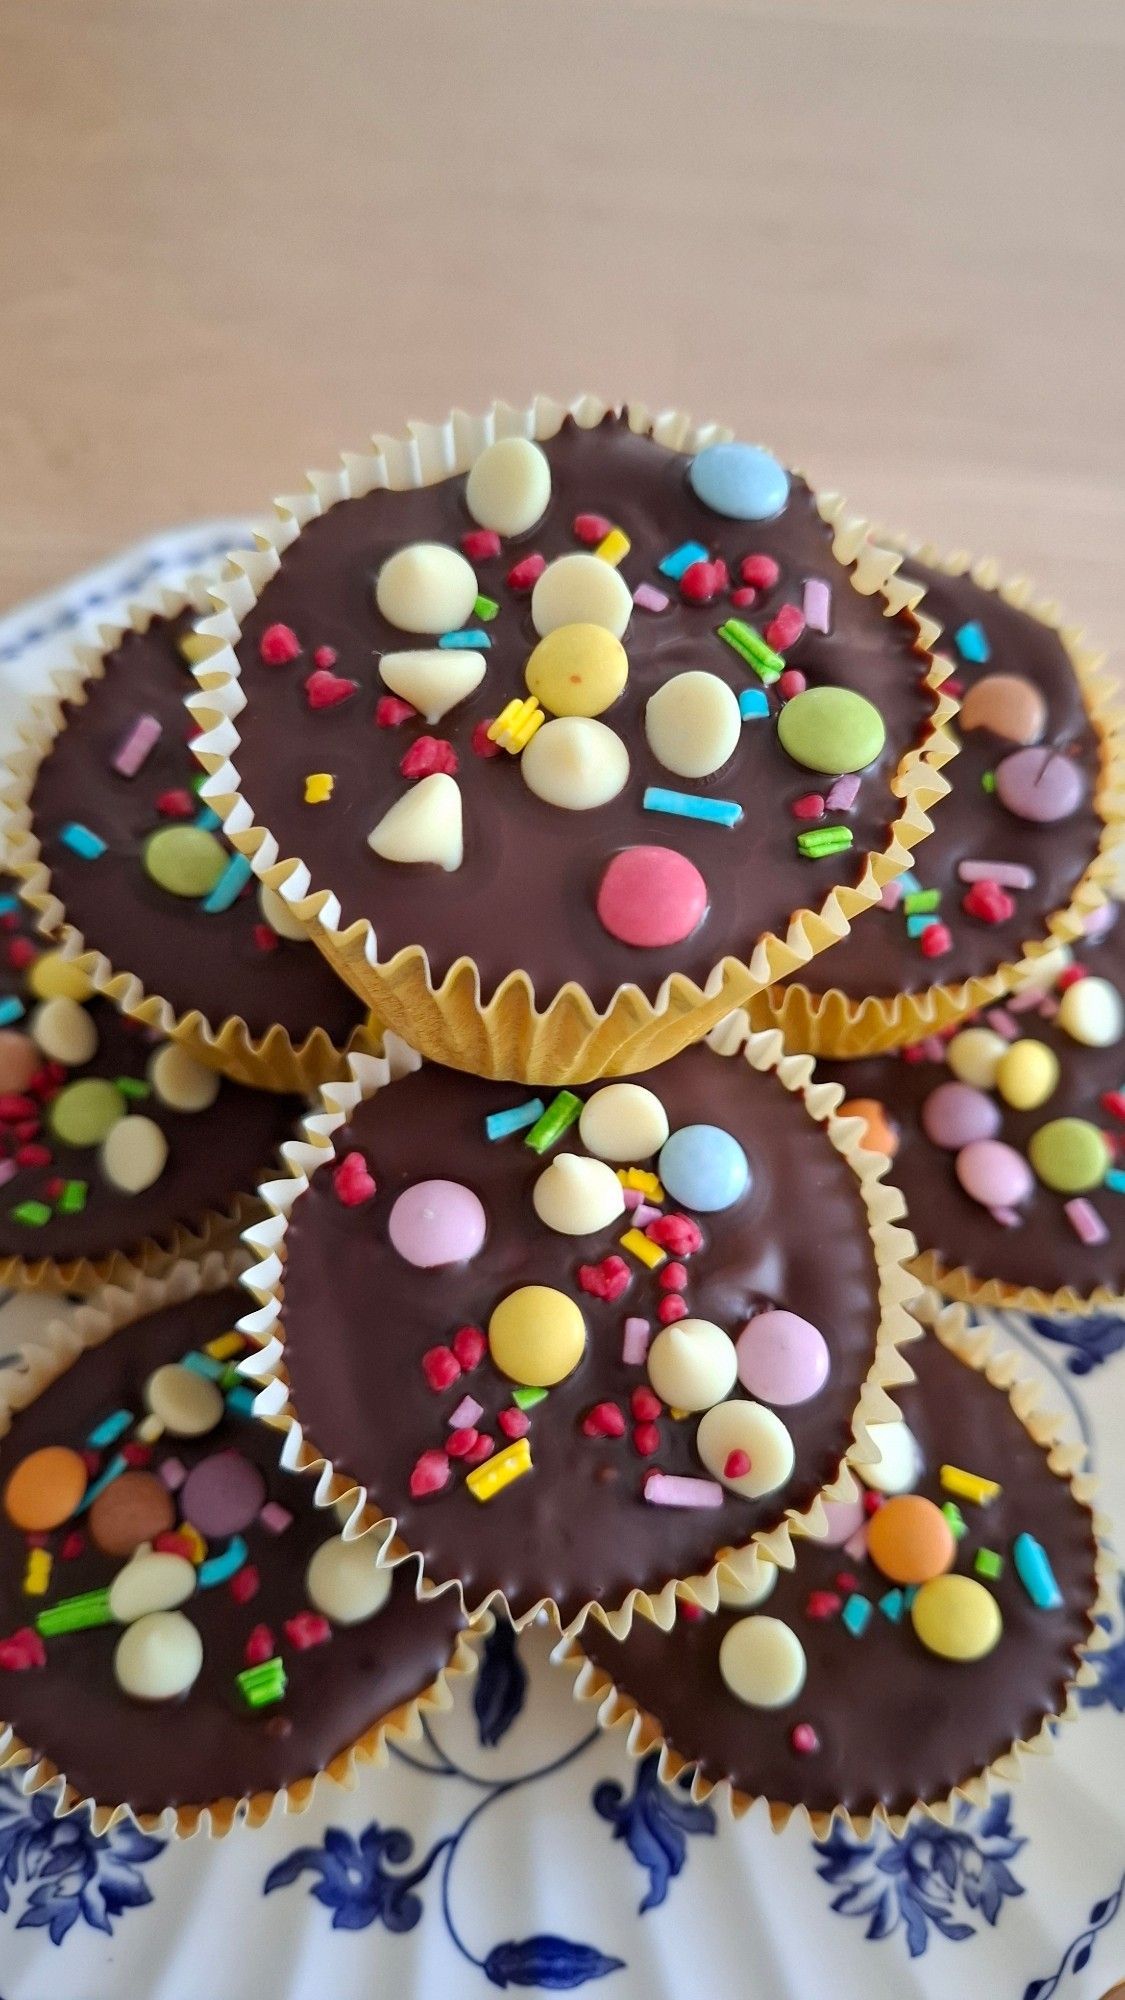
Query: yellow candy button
[
  {"x": 53, "y": 977},
  {"x": 1027, "y": 1074},
  {"x": 577, "y": 670},
  {"x": 957, "y": 1618},
  {"x": 536, "y": 1336}
]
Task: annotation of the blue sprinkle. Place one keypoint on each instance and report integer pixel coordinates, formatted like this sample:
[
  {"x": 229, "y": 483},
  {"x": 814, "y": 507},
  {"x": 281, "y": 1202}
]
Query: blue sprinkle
[
  {"x": 753, "y": 703},
  {"x": 892, "y": 1606},
  {"x": 685, "y": 805},
  {"x": 910, "y": 883},
  {"x": 113, "y": 1471},
  {"x": 207, "y": 819},
  {"x": 109, "y": 1430},
  {"x": 1115, "y": 1179},
  {"x": 203, "y": 1364},
  {"x": 972, "y": 643},
  {"x": 229, "y": 886},
  {"x": 457, "y": 642},
  {"x": 916, "y": 925},
  {"x": 501, "y": 1124},
  {"x": 219, "y": 1569},
  {"x": 857, "y": 1614},
  {"x": 9, "y": 905},
  {"x": 241, "y": 1401},
  {"x": 11, "y": 1009},
  {"x": 1035, "y": 1573},
  {"x": 675, "y": 563},
  {"x": 81, "y": 841},
  {"x": 909, "y": 1595}
]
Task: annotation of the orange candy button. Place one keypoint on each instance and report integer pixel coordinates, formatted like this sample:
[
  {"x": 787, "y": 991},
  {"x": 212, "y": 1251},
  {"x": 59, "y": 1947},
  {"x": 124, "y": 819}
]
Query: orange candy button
[
  {"x": 880, "y": 1136},
  {"x": 45, "y": 1489},
  {"x": 910, "y": 1540}
]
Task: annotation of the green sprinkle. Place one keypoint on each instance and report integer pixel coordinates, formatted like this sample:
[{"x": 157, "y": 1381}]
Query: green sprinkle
[
  {"x": 133, "y": 1086},
  {"x": 920, "y": 901},
  {"x": 752, "y": 650},
  {"x": 988, "y": 781},
  {"x": 824, "y": 840},
  {"x": 198, "y": 782},
  {"x": 562, "y": 1112},
  {"x": 955, "y": 1518},
  {"x": 75, "y": 1614},
  {"x": 33, "y": 1214},
  {"x": 486, "y": 608},
  {"x": 72, "y": 1200},
  {"x": 986, "y": 1562},
  {"x": 230, "y": 1377},
  {"x": 526, "y": 1399},
  {"x": 260, "y": 1686}
]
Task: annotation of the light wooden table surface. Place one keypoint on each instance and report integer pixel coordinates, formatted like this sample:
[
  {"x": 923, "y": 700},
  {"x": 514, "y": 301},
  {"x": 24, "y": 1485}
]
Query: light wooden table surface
[{"x": 884, "y": 235}]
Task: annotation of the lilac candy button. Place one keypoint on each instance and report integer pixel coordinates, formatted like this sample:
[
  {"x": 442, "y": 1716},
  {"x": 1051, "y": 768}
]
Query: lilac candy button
[
  {"x": 782, "y": 1358},
  {"x": 845, "y": 1518},
  {"x": 955, "y": 1114},
  {"x": 222, "y": 1495},
  {"x": 436, "y": 1223},
  {"x": 1040, "y": 784},
  {"x": 994, "y": 1174}
]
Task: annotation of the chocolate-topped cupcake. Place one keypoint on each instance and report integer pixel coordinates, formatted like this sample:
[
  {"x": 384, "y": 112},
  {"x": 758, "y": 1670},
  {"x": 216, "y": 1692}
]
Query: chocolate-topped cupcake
[
  {"x": 183, "y": 1633},
  {"x": 1024, "y": 852},
  {"x": 116, "y": 1146},
  {"x": 575, "y": 1344},
  {"x": 128, "y": 867},
  {"x": 526, "y": 731},
  {"x": 937, "y": 1626}
]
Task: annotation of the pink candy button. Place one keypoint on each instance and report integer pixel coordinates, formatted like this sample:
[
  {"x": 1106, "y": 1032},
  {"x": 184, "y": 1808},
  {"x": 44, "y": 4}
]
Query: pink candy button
[
  {"x": 845, "y": 1518},
  {"x": 782, "y": 1358},
  {"x": 651, "y": 896},
  {"x": 436, "y": 1223},
  {"x": 994, "y": 1174}
]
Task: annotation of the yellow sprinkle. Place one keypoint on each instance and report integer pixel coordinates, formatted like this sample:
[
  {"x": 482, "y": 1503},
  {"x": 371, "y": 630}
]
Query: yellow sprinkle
[
  {"x": 149, "y": 1430},
  {"x": 516, "y": 724},
  {"x": 37, "y": 1575},
  {"x": 318, "y": 787},
  {"x": 225, "y": 1344},
  {"x": 969, "y": 1485},
  {"x": 678, "y": 1415},
  {"x": 196, "y": 646},
  {"x": 486, "y": 1481},
  {"x": 198, "y": 1545},
  {"x": 642, "y": 1247},
  {"x": 614, "y": 548},
  {"x": 645, "y": 1183}
]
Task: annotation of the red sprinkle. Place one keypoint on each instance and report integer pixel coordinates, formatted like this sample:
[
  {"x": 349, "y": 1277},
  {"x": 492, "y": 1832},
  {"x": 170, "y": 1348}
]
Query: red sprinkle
[
  {"x": 265, "y": 937},
  {"x": 743, "y": 597},
  {"x": 33, "y": 1156},
  {"x": 525, "y": 574},
  {"x": 514, "y": 1423},
  {"x": 737, "y": 1465},
  {"x": 1113, "y": 1101},
  {"x": 13, "y": 1107},
  {"x": 761, "y": 571},
  {"x": 645, "y": 1405},
  {"x": 605, "y": 1420},
  {"x": 846, "y": 1582},
  {"x": 989, "y": 902},
  {"x": 936, "y": 940},
  {"x": 480, "y": 544},
  {"x": 308, "y": 1628},
  {"x": 823, "y": 1604},
  {"x": 785, "y": 628},
  {"x": 462, "y": 1443},
  {"x": 791, "y": 682},
  {"x": 481, "y": 742},
  {"x": 804, "y": 1739},
  {"x": 10, "y": 921},
  {"x": 176, "y": 805},
  {"x": 390, "y": 711},
  {"x": 671, "y": 1308},
  {"x": 428, "y": 754},
  {"x": 244, "y": 1584},
  {"x": 672, "y": 1278},
  {"x": 352, "y": 1184},
  {"x": 440, "y": 1367},
  {"x": 326, "y": 690},
  {"x": 73, "y": 1546},
  {"x": 591, "y": 528},
  {"x": 28, "y": 1128},
  {"x": 23, "y": 1650},
  {"x": 646, "y": 1439},
  {"x": 91, "y": 1459},
  {"x": 1070, "y": 976},
  {"x": 470, "y": 1346},
  {"x": 21, "y": 954},
  {"x": 607, "y": 1280},
  {"x": 259, "y": 1646},
  {"x": 689, "y": 1612},
  {"x": 136, "y": 1454},
  {"x": 676, "y": 1233},
  {"x": 700, "y": 582},
  {"x": 872, "y": 1502},
  {"x": 278, "y": 645},
  {"x": 325, "y": 656},
  {"x": 810, "y": 805},
  {"x": 47, "y": 1080},
  {"x": 483, "y": 1448},
  {"x": 53, "y": 1188},
  {"x": 173, "y": 1543},
  {"x": 431, "y": 1472}
]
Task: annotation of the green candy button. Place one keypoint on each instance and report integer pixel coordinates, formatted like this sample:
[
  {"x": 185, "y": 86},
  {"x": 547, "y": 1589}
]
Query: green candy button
[
  {"x": 830, "y": 729},
  {"x": 185, "y": 860},
  {"x": 83, "y": 1113},
  {"x": 1069, "y": 1155}
]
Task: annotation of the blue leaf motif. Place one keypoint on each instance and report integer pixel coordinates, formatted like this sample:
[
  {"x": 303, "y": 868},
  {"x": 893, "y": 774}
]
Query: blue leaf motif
[
  {"x": 501, "y": 1685},
  {"x": 553, "y": 1963},
  {"x": 71, "y": 1872},
  {"x": 1091, "y": 1340},
  {"x": 1108, "y": 1691},
  {"x": 654, "y": 1824},
  {"x": 930, "y": 1878},
  {"x": 354, "y": 1881}
]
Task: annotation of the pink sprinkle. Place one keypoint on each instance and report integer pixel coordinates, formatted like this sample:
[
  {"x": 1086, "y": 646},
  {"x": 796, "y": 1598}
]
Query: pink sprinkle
[
  {"x": 634, "y": 1347},
  {"x": 844, "y": 793},
  {"x": 7, "y": 1171},
  {"x": 1009, "y": 874},
  {"x": 643, "y": 1214},
  {"x": 1008, "y": 1218},
  {"x": 1085, "y": 1221},
  {"x": 1100, "y": 921},
  {"x": 466, "y": 1414},
  {"x": 1022, "y": 1003},
  {"x": 818, "y": 604},
  {"x": 1000, "y": 1019},
  {"x": 632, "y": 1197},
  {"x": 275, "y": 1518},
  {"x": 1048, "y": 1007},
  {"x": 172, "y": 1473},
  {"x": 665, "y": 1489},
  {"x": 804, "y": 1739},
  {"x": 646, "y": 597},
  {"x": 259, "y": 1646},
  {"x": 743, "y": 597},
  {"x": 245, "y": 1584},
  {"x": 933, "y": 1048},
  {"x": 856, "y": 1545},
  {"x": 142, "y": 738},
  {"x": 891, "y": 896}
]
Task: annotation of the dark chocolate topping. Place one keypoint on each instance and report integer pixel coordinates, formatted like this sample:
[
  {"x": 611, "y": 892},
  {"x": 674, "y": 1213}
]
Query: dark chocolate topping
[
  {"x": 207, "y": 1746},
  {"x": 896, "y": 1723},
  {"x": 523, "y": 897}
]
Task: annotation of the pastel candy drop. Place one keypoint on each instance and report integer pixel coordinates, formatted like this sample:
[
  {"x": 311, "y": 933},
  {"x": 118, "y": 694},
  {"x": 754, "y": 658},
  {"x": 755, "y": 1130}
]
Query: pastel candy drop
[
  {"x": 745, "y": 1579},
  {"x": 44, "y": 1489},
  {"x": 832, "y": 730},
  {"x": 434, "y": 680},
  {"x": 910, "y": 1540},
  {"x": 762, "y": 1662},
  {"x": 624, "y": 1122},
  {"x": 345, "y": 1581},
  {"x": 955, "y": 1114},
  {"x": 842, "y": 1520},
  {"x": 426, "y": 587},
  {"x": 437, "y": 1223},
  {"x": 53, "y": 977},
  {"x": 509, "y": 486},
  {"x": 65, "y": 1031},
  {"x": 993, "y": 1173},
  {"x": 651, "y": 897},
  {"x": 1091, "y": 1012},
  {"x": 577, "y": 669},
  {"x": 739, "y": 480},
  {"x": 536, "y": 1336},
  {"x": 424, "y": 825},
  {"x": 956, "y": 1618},
  {"x": 85, "y": 1112},
  {"x": 692, "y": 1364},
  {"x": 19, "y": 1060},
  {"x": 152, "y": 1580},
  {"x": 134, "y": 1508},
  {"x": 974, "y": 1055},
  {"x": 575, "y": 763},
  {"x": 1008, "y": 705},
  {"x": 782, "y": 1358},
  {"x": 704, "y": 1167},
  {"x": 752, "y": 1432},
  {"x": 134, "y": 1154},
  {"x": 581, "y": 589},
  {"x": 187, "y": 1404},
  {"x": 577, "y": 1197},
  {"x": 185, "y": 860},
  {"x": 180, "y": 1082},
  {"x": 159, "y": 1657},
  {"x": 693, "y": 724},
  {"x": 1027, "y": 1074},
  {"x": 1070, "y": 1155},
  {"x": 222, "y": 1495},
  {"x": 898, "y": 1463},
  {"x": 1040, "y": 785}
]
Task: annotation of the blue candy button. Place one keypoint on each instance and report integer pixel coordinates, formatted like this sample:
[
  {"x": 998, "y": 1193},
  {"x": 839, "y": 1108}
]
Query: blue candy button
[
  {"x": 703, "y": 1168},
  {"x": 739, "y": 480}
]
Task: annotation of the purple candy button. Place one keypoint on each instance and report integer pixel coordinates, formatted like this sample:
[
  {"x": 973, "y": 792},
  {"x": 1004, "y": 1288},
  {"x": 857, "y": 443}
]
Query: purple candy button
[
  {"x": 955, "y": 1114},
  {"x": 782, "y": 1358},
  {"x": 845, "y": 1518},
  {"x": 222, "y": 1495},
  {"x": 436, "y": 1223},
  {"x": 1040, "y": 784}
]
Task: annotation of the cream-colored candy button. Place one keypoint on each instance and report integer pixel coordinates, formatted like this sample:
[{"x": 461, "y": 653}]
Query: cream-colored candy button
[
  {"x": 159, "y": 1657},
  {"x": 180, "y": 1082},
  {"x": 578, "y": 1197},
  {"x": 65, "y": 1032},
  {"x": 537, "y": 1336},
  {"x": 151, "y": 1581},
  {"x": 732, "y": 1433},
  {"x": 746, "y": 1578},
  {"x": 975, "y": 1055},
  {"x": 762, "y": 1662},
  {"x": 53, "y": 977},
  {"x": 692, "y": 1364},
  {"x": 426, "y": 587},
  {"x": 1090, "y": 1010},
  {"x": 1027, "y": 1074},
  {"x": 279, "y": 916},
  {"x": 623, "y": 1121},
  {"x": 693, "y": 724},
  {"x": 187, "y": 1404},
  {"x": 576, "y": 763},
  {"x": 509, "y": 486},
  {"x": 433, "y": 681},
  {"x": 134, "y": 1154},
  {"x": 577, "y": 670},
  {"x": 581, "y": 590},
  {"x": 344, "y": 1580},
  {"x": 898, "y": 1467},
  {"x": 424, "y": 825}
]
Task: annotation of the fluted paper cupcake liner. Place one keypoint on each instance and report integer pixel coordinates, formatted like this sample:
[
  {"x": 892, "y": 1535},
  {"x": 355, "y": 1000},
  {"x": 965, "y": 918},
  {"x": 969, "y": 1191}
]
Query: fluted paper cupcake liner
[
  {"x": 513, "y": 1033},
  {"x": 152, "y": 1257}
]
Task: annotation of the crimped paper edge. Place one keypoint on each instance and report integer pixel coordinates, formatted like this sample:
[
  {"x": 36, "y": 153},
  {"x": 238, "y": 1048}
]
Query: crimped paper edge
[
  {"x": 980, "y": 1349},
  {"x": 633, "y": 1032},
  {"x": 152, "y": 1257},
  {"x": 46, "y": 1358}
]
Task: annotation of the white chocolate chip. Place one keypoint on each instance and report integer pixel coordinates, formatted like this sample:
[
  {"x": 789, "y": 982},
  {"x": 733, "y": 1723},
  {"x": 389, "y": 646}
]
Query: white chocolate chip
[
  {"x": 133, "y": 1155},
  {"x": 180, "y": 1082},
  {"x": 746, "y": 1578},
  {"x": 575, "y": 762},
  {"x": 975, "y": 1055},
  {"x": 65, "y": 1032},
  {"x": 581, "y": 590},
  {"x": 624, "y": 1122},
  {"x": 426, "y": 587},
  {"x": 692, "y": 1364},
  {"x": 279, "y": 916},
  {"x": 152, "y": 1581},
  {"x": 693, "y": 725},
  {"x": 159, "y": 1657},
  {"x": 433, "y": 680},
  {"x": 899, "y": 1465},
  {"x": 762, "y": 1662},
  {"x": 424, "y": 825},
  {"x": 577, "y": 1197},
  {"x": 187, "y": 1404},
  {"x": 756, "y": 1432},
  {"x": 509, "y": 487},
  {"x": 344, "y": 1580},
  {"x": 1091, "y": 1012}
]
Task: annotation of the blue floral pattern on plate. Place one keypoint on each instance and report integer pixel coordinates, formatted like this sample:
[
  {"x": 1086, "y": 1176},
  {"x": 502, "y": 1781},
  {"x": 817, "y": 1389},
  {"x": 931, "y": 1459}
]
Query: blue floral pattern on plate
[
  {"x": 70, "y": 1872},
  {"x": 929, "y": 1878}
]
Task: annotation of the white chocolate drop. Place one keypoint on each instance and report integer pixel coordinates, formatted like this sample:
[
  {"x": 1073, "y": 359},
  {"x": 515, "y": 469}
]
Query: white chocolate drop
[
  {"x": 187, "y": 1404},
  {"x": 433, "y": 680},
  {"x": 344, "y": 1580},
  {"x": 898, "y": 1467},
  {"x": 575, "y": 762},
  {"x": 426, "y": 587},
  {"x": 180, "y": 1082},
  {"x": 1091, "y": 1012},
  {"x": 624, "y": 1122},
  {"x": 751, "y": 1429},
  {"x": 693, "y": 725},
  {"x": 762, "y": 1662},
  {"x": 974, "y": 1055},
  {"x": 159, "y": 1657},
  {"x": 151, "y": 1581},
  {"x": 581, "y": 589},
  {"x": 133, "y": 1154},
  {"x": 509, "y": 487},
  {"x": 746, "y": 1578},
  {"x": 692, "y": 1364},
  {"x": 279, "y": 916},
  {"x": 65, "y": 1032},
  {"x": 424, "y": 825},
  {"x": 577, "y": 1197}
]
